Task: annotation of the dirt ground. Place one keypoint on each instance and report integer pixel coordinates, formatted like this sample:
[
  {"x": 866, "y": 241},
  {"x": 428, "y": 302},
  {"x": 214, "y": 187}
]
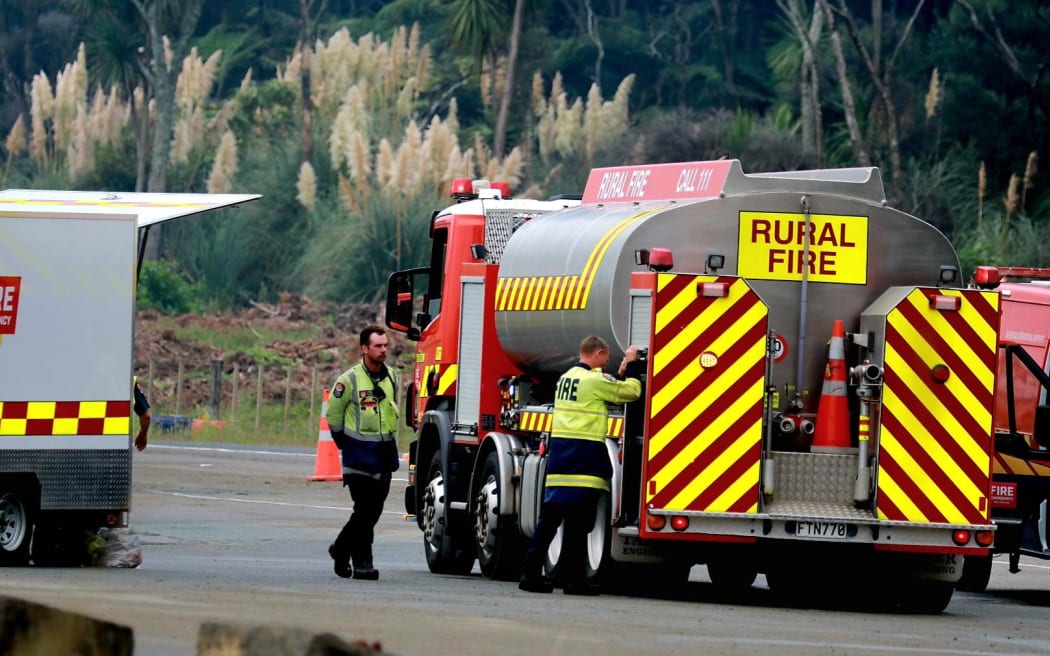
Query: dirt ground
[{"x": 332, "y": 349}]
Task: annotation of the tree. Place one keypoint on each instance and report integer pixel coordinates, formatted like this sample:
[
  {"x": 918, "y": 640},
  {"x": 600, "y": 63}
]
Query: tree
[
  {"x": 882, "y": 78},
  {"x": 477, "y": 28},
  {"x": 860, "y": 151},
  {"x": 499, "y": 136},
  {"x": 809, "y": 73},
  {"x": 161, "y": 72},
  {"x": 1038, "y": 102}
]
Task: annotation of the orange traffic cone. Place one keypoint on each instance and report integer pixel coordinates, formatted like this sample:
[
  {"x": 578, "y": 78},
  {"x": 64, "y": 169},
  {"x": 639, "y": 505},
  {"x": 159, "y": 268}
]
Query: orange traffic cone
[
  {"x": 328, "y": 465},
  {"x": 832, "y": 431}
]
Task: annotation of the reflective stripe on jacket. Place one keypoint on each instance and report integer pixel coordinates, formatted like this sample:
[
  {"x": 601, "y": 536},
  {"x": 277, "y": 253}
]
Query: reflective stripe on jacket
[
  {"x": 365, "y": 408},
  {"x": 577, "y": 458}
]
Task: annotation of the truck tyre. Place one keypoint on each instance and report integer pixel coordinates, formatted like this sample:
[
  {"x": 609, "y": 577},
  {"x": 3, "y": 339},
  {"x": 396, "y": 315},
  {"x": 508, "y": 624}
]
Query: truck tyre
[
  {"x": 977, "y": 571},
  {"x": 926, "y": 597},
  {"x": 16, "y": 527},
  {"x": 500, "y": 545},
  {"x": 598, "y": 540},
  {"x": 446, "y": 552},
  {"x": 731, "y": 575}
]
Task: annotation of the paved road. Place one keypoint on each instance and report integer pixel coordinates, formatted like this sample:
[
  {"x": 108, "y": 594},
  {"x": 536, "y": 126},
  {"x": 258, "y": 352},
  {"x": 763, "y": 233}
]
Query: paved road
[{"x": 240, "y": 535}]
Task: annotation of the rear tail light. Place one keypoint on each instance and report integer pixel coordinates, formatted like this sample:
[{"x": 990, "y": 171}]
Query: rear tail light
[
  {"x": 713, "y": 289},
  {"x": 961, "y": 537},
  {"x": 656, "y": 522},
  {"x": 945, "y": 303},
  {"x": 679, "y": 523},
  {"x": 985, "y": 538}
]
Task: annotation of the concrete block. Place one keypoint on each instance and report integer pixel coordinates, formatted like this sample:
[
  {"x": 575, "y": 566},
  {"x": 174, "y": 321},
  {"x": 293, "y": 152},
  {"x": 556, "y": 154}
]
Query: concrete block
[
  {"x": 28, "y": 628},
  {"x": 223, "y": 639}
]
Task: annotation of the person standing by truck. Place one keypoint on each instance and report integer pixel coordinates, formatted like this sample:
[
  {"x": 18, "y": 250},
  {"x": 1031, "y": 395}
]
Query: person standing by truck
[
  {"x": 142, "y": 410},
  {"x": 578, "y": 467},
  {"x": 362, "y": 416}
]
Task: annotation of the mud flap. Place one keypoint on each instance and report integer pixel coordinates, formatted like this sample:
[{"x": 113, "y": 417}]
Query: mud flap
[{"x": 533, "y": 476}]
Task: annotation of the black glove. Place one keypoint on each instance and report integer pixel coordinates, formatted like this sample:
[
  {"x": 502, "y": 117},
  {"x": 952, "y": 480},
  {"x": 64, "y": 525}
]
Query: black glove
[
  {"x": 341, "y": 439},
  {"x": 634, "y": 369}
]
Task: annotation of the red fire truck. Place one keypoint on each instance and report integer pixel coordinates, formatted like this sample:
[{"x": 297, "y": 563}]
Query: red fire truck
[
  {"x": 732, "y": 284},
  {"x": 1021, "y": 478}
]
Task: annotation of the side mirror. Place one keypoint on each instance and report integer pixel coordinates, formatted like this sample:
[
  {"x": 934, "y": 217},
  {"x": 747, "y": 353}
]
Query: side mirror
[
  {"x": 1041, "y": 430},
  {"x": 400, "y": 302}
]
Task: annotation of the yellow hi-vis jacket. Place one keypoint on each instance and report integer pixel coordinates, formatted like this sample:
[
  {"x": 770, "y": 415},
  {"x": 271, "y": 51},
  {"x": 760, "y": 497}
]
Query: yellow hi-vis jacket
[
  {"x": 362, "y": 416},
  {"x": 578, "y": 461}
]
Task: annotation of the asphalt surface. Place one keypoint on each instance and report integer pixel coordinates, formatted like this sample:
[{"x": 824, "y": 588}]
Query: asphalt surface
[{"x": 239, "y": 534}]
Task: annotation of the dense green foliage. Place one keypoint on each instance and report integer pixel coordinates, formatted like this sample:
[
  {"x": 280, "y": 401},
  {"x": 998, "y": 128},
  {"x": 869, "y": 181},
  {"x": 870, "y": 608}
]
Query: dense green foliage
[{"x": 954, "y": 108}]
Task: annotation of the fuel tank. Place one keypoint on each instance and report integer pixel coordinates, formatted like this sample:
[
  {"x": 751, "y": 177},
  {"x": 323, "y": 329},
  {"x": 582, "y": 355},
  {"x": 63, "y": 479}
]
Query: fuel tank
[{"x": 567, "y": 275}]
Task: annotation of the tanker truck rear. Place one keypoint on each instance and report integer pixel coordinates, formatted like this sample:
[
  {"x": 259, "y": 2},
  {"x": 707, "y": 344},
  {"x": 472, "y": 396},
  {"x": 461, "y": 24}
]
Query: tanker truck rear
[{"x": 818, "y": 395}]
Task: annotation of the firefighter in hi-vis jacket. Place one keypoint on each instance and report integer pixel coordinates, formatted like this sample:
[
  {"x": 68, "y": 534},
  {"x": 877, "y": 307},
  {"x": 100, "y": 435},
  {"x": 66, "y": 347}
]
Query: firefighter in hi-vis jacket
[
  {"x": 362, "y": 416},
  {"x": 578, "y": 467}
]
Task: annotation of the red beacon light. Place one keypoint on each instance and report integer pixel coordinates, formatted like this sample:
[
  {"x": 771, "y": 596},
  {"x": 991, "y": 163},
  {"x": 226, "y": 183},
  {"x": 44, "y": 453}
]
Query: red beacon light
[
  {"x": 986, "y": 277},
  {"x": 503, "y": 188},
  {"x": 462, "y": 189}
]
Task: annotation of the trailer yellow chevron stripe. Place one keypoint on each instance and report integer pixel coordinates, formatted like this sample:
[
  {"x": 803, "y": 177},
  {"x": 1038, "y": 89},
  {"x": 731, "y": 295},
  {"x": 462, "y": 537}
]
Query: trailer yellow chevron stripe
[
  {"x": 935, "y": 445},
  {"x": 540, "y": 422},
  {"x": 708, "y": 355},
  {"x": 50, "y": 418}
]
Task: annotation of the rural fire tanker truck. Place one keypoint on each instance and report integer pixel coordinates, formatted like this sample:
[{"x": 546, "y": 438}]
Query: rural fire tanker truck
[
  {"x": 818, "y": 393},
  {"x": 67, "y": 310},
  {"x": 1021, "y": 472}
]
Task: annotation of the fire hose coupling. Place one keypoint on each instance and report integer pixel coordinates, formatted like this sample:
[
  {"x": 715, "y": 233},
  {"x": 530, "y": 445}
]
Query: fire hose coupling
[
  {"x": 867, "y": 373},
  {"x": 791, "y": 423}
]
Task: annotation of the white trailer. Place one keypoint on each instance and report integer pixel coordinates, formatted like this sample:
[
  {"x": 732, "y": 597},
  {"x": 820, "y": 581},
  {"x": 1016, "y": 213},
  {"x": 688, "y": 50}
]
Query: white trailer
[{"x": 67, "y": 310}]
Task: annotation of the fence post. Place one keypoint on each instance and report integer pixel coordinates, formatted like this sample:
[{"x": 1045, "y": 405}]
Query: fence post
[
  {"x": 233, "y": 393},
  {"x": 313, "y": 396},
  {"x": 258, "y": 400},
  {"x": 287, "y": 397},
  {"x": 178, "y": 391},
  {"x": 216, "y": 388}
]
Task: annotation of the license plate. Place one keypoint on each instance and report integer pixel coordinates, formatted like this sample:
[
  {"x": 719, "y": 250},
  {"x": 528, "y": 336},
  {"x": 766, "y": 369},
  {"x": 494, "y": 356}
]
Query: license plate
[{"x": 825, "y": 530}]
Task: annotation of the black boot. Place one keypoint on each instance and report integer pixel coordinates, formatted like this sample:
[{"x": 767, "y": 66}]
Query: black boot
[
  {"x": 366, "y": 571},
  {"x": 534, "y": 581},
  {"x": 581, "y": 587},
  {"x": 341, "y": 563}
]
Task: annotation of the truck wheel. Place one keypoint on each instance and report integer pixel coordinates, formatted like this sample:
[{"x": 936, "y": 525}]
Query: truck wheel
[
  {"x": 977, "y": 571},
  {"x": 598, "y": 540},
  {"x": 446, "y": 552},
  {"x": 16, "y": 529},
  {"x": 731, "y": 575},
  {"x": 926, "y": 597},
  {"x": 500, "y": 546}
]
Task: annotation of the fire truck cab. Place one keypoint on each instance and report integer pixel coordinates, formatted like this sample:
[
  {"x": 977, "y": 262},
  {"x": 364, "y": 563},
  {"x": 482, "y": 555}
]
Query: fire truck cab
[{"x": 1021, "y": 480}]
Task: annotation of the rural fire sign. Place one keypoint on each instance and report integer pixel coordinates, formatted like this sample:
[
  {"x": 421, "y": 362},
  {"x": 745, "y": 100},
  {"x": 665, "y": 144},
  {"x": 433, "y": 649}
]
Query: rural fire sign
[
  {"x": 773, "y": 247},
  {"x": 10, "y": 288}
]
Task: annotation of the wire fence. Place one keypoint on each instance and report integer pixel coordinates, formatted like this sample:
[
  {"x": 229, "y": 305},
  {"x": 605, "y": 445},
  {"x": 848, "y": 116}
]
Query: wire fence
[{"x": 276, "y": 404}]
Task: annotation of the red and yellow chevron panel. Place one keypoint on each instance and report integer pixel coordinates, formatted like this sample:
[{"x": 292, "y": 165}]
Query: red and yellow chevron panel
[
  {"x": 50, "y": 418},
  {"x": 444, "y": 377},
  {"x": 540, "y": 422},
  {"x": 708, "y": 358},
  {"x": 935, "y": 445}
]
